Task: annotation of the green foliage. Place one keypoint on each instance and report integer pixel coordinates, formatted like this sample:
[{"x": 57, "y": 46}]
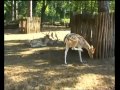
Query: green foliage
[
  {"x": 50, "y": 10},
  {"x": 23, "y": 11},
  {"x": 112, "y": 6},
  {"x": 66, "y": 20},
  {"x": 38, "y": 8},
  {"x": 7, "y": 8},
  {"x": 55, "y": 10}
]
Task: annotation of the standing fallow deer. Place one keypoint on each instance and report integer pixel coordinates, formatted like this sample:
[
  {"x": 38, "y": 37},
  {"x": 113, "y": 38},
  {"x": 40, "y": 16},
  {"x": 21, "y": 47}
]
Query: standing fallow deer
[{"x": 77, "y": 42}]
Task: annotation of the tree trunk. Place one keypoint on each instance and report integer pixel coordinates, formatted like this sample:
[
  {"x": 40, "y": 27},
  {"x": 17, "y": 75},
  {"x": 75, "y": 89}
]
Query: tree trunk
[
  {"x": 43, "y": 11},
  {"x": 104, "y": 31},
  {"x": 103, "y": 6},
  {"x": 16, "y": 10},
  {"x": 30, "y": 8},
  {"x": 34, "y": 4},
  {"x": 13, "y": 14}
]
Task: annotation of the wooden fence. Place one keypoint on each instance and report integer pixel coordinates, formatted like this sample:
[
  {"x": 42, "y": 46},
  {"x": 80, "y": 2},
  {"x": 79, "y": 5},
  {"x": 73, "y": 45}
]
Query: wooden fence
[
  {"x": 30, "y": 25},
  {"x": 98, "y": 30}
]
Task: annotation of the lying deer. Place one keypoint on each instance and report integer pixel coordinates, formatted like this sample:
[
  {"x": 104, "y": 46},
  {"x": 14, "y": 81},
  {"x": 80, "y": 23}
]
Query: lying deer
[
  {"x": 77, "y": 42},
  {"x": 40, "y": 42},
  {"x": 48, "y": 39}
]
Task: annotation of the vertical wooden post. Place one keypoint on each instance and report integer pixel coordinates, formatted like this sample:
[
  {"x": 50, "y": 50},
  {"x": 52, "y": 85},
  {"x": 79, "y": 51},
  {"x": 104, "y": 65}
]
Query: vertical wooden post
[
  {"x": 13, "y": 14},
  {"x": 16, "y": 10},
  {"x": 31, "y": 8}
]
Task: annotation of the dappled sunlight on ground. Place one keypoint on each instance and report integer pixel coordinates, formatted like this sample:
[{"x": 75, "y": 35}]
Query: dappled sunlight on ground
[
  {"x": 43, "y": 68},
  {"x": 92, "y": 81},
  {"x": 59, "y": 76},
  {"x": 15, "y": 73}
]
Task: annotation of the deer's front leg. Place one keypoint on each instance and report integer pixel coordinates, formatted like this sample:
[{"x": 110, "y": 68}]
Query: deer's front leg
[
  {"x": 80, "y": 56},
  {"x": 66, "y": 51}
]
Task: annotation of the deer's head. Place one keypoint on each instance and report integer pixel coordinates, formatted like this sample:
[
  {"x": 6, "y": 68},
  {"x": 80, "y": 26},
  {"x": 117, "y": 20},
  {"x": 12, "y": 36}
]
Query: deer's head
[{"x": 91, "y": 51}]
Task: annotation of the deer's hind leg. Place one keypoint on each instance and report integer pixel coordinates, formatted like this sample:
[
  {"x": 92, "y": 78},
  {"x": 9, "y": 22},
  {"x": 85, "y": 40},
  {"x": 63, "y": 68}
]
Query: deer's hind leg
[
  {"x": 66, "y": 51},
  {"x": 80, "y": 56}
]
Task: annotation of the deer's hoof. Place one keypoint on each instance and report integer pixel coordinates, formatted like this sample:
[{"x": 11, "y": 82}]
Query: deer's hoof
[
  {"x": 83, "y": 62},
  {"x": 65, "y": 63}
]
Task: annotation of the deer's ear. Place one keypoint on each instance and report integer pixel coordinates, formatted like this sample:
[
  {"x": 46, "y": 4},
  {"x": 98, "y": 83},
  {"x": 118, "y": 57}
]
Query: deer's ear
[{"x": 91, "y": 46}]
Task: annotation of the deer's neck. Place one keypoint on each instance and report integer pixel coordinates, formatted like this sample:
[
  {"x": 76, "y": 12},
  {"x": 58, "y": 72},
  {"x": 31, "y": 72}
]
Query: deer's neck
[{"x": 86, "y": 45}]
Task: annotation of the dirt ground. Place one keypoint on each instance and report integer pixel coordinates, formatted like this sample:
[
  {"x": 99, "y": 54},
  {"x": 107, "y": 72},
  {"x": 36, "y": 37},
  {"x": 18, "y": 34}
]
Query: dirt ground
[{"x": 43, "y": 68}]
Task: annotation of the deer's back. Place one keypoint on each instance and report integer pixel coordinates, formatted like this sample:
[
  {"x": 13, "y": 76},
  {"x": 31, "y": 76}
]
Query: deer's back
[{"x": 74, "y": 40}]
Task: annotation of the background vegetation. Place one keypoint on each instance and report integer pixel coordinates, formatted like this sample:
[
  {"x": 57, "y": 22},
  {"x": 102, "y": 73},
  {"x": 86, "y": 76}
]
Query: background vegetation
[{"x": 52, "y": 10}]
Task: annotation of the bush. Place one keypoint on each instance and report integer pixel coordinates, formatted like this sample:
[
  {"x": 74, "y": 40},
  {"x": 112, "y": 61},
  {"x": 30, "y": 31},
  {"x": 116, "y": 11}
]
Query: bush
[{"x": 65, "y": 20}]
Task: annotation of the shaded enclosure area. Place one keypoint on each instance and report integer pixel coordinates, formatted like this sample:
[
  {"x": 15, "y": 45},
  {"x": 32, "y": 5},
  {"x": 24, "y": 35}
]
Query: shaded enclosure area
[{"x": 43, "y": 68}]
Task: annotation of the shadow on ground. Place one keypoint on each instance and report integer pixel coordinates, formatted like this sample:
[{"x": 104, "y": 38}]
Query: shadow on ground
[{"x": 43, "y": 68}]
